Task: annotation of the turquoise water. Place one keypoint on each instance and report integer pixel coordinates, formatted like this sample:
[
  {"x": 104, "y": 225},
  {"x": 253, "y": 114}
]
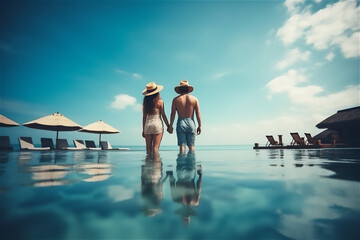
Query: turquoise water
[{"x": 226, "y": 193}]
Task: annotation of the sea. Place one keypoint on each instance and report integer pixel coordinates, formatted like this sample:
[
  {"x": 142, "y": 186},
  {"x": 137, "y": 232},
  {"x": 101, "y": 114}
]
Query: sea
[{"x": 218, "y": 192}]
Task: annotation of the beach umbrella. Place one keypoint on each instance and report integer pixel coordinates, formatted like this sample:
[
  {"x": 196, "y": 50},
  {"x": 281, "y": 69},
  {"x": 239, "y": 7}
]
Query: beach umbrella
[
  {"x": 54, "y": 122},
  {"x": 6, "y": 122},
  {"x": 99, "y": 127}
]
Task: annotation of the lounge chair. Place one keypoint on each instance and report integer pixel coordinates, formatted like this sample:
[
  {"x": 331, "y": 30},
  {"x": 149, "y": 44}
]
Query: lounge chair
[
  {"x": 47, "y": 142},
  {"x": 26, "y": 143},
  {"x": 79, "y": 144},
  {"x": 297, "y": 140},
  {"x": 271, "y": 141},
  {"x": 62, "y": 144},
  {"x": 310, "y": 140},
  {"x": 91, "y": 145},
  {"x": 5, "y": 143},
  {"x": 105, "y": 145}
]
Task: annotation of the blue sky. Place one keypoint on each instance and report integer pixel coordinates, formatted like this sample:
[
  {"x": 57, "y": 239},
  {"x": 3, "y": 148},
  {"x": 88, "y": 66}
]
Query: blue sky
[{"x": 257, "y": 67}]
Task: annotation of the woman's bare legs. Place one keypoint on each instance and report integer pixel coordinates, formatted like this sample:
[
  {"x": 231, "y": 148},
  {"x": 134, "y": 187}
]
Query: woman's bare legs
[
  {"x": 149, "y": 143},
  {"x": 153, "y": 143},
  {"x": 156, "y": 142}
]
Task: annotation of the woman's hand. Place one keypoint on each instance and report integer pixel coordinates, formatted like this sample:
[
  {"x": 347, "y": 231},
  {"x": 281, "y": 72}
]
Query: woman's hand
[{"x": 170, "y": 129}]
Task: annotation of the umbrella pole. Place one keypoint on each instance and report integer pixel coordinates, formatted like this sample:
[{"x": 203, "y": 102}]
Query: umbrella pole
[
  {"x": 99, "y": 140},
  {"x": 56, "y": 140}
]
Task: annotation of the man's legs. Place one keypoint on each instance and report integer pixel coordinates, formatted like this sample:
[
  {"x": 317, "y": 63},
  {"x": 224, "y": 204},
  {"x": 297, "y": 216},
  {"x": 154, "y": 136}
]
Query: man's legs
[
  {"x": 191, "y": 148},
  {"x": 182, "y": 149}
]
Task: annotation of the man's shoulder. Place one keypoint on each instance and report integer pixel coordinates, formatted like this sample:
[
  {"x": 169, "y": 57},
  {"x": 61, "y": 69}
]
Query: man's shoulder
[
  {"x": 192, "y": 98},
  {"x": 185, "y": 96}
]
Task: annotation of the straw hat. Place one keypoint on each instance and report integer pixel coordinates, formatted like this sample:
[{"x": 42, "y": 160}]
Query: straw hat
[
  {"x": 184, "y": 83},
  {"x": 151, "y": 89}
]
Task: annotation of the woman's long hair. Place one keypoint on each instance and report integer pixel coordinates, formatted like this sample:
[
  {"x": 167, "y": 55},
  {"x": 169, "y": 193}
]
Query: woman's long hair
[{"x": 150, "y": 102}]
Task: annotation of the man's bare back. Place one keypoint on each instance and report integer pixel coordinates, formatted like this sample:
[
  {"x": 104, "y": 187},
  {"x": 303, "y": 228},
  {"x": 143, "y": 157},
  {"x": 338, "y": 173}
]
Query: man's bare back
[{"x": 185, "y": 105}]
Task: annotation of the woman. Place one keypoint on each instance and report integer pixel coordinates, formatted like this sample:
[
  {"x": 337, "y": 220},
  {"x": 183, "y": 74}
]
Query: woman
[{"x": 153, "y": 113}]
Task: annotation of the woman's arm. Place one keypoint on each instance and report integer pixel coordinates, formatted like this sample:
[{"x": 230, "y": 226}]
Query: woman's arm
[
  {"x": 162, "y": 110},
  {"x": 143, "y": 122}
]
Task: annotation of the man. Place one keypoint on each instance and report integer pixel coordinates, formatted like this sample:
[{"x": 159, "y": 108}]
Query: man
[{"x": 185, "y": 105}]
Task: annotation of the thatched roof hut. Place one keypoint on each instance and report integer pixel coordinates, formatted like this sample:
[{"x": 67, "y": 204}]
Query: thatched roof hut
[
  {"x": 326, "y": 136},
  {"x": 346, "y": 117},
  {"x": 345, "y": 125}
]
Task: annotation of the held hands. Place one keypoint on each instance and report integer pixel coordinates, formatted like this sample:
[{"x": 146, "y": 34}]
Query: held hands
[{"x": 170, "y": 129}]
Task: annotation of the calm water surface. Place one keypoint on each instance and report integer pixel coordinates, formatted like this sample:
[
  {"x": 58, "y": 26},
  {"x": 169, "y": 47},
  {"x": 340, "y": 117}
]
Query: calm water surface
[{"x": 226, "y": 193}]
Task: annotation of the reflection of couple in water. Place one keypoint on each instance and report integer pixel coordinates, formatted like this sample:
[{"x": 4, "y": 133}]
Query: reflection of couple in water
[
  {"x": 184, "y": 190},
  {"x": 152, "y": 184}
]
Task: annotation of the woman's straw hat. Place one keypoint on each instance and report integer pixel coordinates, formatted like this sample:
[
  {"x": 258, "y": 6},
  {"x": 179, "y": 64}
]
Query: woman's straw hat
[
  {"x": 184, "y": 84},
  {"x": 151, "y": 89}
]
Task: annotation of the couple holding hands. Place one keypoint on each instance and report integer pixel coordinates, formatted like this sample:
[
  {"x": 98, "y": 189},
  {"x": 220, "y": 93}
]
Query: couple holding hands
[{"x": 185, "y": 105}]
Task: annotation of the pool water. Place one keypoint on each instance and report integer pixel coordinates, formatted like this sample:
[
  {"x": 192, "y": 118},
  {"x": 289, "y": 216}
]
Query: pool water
[{"x": 226, "y": 193}]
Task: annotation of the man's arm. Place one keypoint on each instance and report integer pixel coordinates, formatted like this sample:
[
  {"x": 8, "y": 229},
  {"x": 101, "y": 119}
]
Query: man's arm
[{"x": 198, "y": 116}]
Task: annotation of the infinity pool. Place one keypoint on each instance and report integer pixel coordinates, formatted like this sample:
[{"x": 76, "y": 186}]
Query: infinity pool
[{"x": 227, "y": 193}]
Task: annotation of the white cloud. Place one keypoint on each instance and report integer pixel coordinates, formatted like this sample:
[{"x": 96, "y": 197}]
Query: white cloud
[
  {"x": 350, "y": 46},
  {"x": 136, "y": 75},
  {"x": 133, "y": 75},
  {"x": 255, "y": 132},
  {"x": 222, "y": 74},
  {"x": 335, "y": 25},
  {"x": 309, "y": 96},
  {"x": 330, "y": 56},
  {"x": 122, "y": 101},
  {"x": 293, "y": 56},
  {"x": 294, "y": 28},
  {"x": 292, "y": 5}
]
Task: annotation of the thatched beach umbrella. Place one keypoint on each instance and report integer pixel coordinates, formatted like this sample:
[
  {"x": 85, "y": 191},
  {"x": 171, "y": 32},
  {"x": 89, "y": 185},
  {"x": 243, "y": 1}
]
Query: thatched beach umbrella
[
  {"x": 99, "y": 127},
  {"x": 6, "y": 122},
  {"x": 54, "y": 122}
]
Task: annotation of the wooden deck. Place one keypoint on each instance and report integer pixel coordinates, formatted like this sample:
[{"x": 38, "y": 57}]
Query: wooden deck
[{"x": 300, "y": 146}]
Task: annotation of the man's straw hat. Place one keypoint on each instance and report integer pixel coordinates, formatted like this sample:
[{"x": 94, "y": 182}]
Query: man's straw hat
[
  {"x": 184, "y": 84},
  {"x": 151, "y": 89}
]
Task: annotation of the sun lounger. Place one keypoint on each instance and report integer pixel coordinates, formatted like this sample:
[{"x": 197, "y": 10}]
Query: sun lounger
[
  {"x": 62, "y": 144},
  {"x": 297, "y": 140},
  {"x": 26, "y": 143},
  {"x": 5, "y": 143},
  {"x": 271, "y": 141},
  {"x": 310, "y": 140},
  {"x": 79, "y": 144},
  {"x": 91, "y": 145},
  {"x": 105, "y": 145},
  {"x": 47, "y": 142}
]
